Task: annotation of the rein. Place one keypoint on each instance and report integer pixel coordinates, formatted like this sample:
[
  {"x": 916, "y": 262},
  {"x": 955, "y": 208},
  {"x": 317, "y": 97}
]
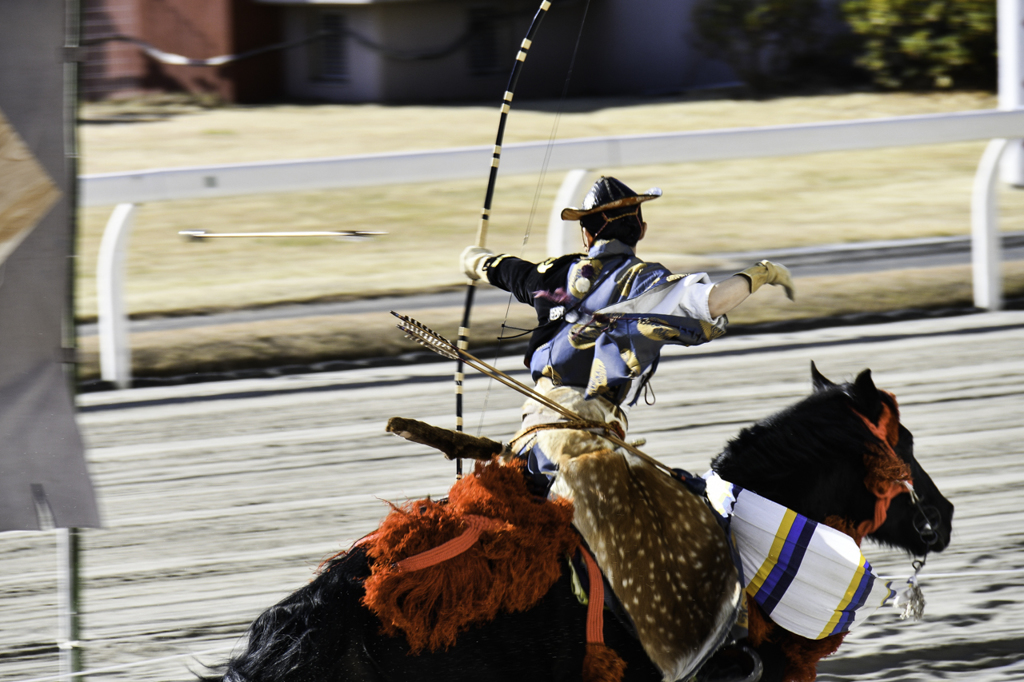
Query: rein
[{"x": 600, "y": 428}]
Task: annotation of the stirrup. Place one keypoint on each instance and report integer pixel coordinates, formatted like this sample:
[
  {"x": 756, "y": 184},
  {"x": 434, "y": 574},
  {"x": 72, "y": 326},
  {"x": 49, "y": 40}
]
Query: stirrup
[{"x": 732, "y": 663}]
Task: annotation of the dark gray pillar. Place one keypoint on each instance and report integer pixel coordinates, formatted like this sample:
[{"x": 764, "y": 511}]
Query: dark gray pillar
[
  {"x": 43, "y": 476},
  {"x": 42, "y": 458}
]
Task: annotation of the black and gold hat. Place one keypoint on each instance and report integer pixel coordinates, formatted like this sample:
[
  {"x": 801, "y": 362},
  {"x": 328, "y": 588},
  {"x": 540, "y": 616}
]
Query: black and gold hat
[{"x": 607, "y": 194}]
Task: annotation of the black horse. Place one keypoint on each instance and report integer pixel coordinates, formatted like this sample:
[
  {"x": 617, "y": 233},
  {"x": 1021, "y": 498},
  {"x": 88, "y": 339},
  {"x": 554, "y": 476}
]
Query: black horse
[{"x": 811, "y": 457}]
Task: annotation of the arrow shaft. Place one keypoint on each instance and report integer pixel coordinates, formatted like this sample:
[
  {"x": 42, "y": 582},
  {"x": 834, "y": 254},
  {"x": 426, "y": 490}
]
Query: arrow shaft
[{"x": 202, "y": 234}]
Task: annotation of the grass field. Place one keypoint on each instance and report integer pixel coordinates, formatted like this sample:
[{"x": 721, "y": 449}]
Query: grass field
[{"x": 707, "y": 208}]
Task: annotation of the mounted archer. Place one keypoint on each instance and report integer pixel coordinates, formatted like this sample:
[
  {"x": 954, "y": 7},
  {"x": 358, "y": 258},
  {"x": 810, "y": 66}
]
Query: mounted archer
[
  {"x": 481, "y": 586},
  {"x": 604, "y": 318}
]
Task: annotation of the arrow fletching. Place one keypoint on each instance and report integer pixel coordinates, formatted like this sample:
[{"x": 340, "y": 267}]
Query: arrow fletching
[{"x": 427, "y": 337}]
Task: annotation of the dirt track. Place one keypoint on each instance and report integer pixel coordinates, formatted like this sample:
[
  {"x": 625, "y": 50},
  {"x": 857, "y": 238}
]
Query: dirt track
[{"x": 221, "y": 498}]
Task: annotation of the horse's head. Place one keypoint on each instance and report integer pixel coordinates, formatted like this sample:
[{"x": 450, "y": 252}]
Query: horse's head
[{"x": 841, "y": 456}]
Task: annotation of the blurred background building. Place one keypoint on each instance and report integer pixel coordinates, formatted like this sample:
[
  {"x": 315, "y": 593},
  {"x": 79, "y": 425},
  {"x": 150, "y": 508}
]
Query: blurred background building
[
  {"x": 390, "y": 50},
  {"x": 116, "y": 68}
]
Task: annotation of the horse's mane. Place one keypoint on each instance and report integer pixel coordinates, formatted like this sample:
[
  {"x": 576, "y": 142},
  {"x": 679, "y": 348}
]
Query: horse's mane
[
  {"x": 282, "y": 641},
  {"x": 805, "y": 457}
]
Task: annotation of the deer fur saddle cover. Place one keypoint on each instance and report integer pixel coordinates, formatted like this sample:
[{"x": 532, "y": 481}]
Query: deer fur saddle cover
[{"x": 662, "y": 550}]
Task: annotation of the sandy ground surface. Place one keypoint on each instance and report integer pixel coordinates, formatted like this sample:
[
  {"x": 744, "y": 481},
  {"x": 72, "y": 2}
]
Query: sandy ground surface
[{"x": 219, "y": 499}]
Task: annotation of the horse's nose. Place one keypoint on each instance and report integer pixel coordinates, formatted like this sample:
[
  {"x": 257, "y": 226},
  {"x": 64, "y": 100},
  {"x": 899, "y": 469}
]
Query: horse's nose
[{"x": 929, "y": 526}]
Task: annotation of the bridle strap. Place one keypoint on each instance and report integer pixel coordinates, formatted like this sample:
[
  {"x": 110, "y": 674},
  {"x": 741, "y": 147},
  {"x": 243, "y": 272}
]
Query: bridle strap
[
  {"x": 882, "y": 502},
  {"x": 887, "y": 432}
]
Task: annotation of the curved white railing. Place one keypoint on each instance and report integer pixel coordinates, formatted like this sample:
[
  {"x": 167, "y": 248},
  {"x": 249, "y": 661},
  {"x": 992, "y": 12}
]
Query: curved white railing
[
  {"x": 165, "y": 184},
  {"x": 565, "y": 155}
]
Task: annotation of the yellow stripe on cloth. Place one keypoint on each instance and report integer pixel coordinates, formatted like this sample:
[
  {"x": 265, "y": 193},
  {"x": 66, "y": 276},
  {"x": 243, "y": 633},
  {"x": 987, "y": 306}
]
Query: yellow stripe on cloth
[
  {"x": 858, "y": 575},
  {"x": 832, "y": 587},
  {"x": 773, "y": 556}
]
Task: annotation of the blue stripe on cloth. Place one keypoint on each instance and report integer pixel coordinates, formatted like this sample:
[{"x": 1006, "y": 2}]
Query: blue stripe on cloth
[
  {"x": 867, "y": 581},
  {"x": 785, "y": 569}
]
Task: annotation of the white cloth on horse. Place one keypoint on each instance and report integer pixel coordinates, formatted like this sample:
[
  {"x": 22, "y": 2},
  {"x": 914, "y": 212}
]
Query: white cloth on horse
[{"x": 810, "y": 578}]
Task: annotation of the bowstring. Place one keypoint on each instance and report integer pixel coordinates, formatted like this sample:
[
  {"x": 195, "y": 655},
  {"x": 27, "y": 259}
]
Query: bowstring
[{"x": 559, "y": 110}]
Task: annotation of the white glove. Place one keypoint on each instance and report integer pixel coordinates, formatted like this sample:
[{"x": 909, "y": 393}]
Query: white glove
[{"x": 472, "y": 261}]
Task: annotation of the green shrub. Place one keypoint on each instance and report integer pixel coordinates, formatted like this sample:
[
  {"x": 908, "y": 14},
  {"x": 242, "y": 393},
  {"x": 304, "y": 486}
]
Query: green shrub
[
  {"x": 759, "y": 39},
  {"x": 925, "y": 44}
]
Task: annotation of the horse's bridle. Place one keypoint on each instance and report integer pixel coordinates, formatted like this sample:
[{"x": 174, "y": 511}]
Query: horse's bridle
[{"x": 926, "y": 518}]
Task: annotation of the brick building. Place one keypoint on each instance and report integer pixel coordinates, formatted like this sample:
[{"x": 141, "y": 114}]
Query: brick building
[{"x": 199, "y": 29}]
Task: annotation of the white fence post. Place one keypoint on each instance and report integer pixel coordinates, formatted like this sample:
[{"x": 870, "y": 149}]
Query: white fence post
[
  {"x": 115, "y": 351},
  {"x": 1010, "y": 41},
  {"x": 986, "y": 245},
  {"x": 564, "y": 236}
]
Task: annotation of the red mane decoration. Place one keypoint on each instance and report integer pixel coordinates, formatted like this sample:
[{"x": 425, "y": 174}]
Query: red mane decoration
[{"x": 510, "y": 567}]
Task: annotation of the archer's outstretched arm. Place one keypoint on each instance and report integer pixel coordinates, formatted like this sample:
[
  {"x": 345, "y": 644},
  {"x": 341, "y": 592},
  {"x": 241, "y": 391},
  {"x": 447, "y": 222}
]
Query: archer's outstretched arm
[
  {"x": 521, "y": 277},
  {"x": 729, "y": 293}
]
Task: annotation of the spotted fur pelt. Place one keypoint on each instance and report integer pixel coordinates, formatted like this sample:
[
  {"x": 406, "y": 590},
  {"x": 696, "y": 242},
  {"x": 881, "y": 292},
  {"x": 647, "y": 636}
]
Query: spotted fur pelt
[{"x": 662, "y": 551}]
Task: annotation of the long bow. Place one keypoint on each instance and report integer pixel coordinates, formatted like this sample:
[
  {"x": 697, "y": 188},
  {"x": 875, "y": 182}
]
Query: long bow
[{"x": 481, "y": 234}]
